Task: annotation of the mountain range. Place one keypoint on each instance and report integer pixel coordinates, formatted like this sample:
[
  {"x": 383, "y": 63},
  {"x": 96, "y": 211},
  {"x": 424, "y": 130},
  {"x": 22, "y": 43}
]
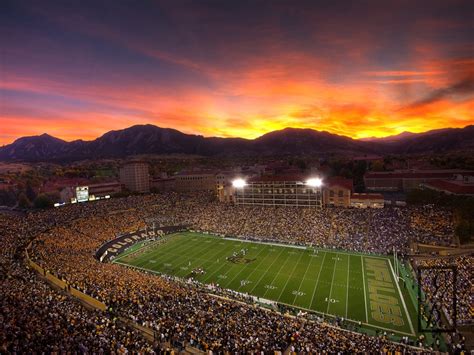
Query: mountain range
[{"x": 150, "y": 139}]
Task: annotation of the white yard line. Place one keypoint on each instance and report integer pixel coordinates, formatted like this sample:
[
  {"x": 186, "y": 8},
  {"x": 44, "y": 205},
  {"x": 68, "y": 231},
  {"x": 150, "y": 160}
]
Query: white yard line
[
  {"x": 246, "y": 266},
  {"x": 401, "y": 297},
  {"x": 348, "y": 319},
  {"x": 278, "y": 273},
  {"x": 303, "y": 279},
  {"x": 266, "y": 243},
  {"x": 224, "y": 264},
  {"x": 169, "y": 256},
  {"x": 317, "y": 282},
  {"x": 124, "y": 253},
  {"x": 288, "y": 280},
  {"x": 332, "y": 283},
  {"x": 264, "y": 273},
  {"x": 306, "y": 309},
  {"x": 365, "y": 292}
]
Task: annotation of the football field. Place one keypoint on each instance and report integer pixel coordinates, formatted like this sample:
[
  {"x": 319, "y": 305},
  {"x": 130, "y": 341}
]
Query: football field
[{"x": 358, "y": 287}]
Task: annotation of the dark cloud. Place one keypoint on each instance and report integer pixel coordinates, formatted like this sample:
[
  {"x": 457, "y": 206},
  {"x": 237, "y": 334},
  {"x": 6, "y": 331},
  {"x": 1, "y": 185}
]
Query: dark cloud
[
  {"x": 234, "y": 67},
  {"x": 462, "y": 88}
]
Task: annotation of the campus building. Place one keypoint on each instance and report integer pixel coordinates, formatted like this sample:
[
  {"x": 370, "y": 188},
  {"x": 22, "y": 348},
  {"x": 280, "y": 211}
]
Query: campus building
[
  {"x": 459, "y": 185},
  {"x": 362, "y": 200},
  {"x": 406, "y": 180},
  {"x": 135, "y": 176},
  {"x": 337, "y": 192},
  {"x": 195, "y": 181},
  {"x": 105, "y": 189}
]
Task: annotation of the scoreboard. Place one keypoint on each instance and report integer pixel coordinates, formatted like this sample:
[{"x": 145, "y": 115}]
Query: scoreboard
[{"x": 82, "y": 193}]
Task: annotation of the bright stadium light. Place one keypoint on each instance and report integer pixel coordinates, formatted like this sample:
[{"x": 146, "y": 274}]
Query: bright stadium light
[
  {"x": 239, "y": 183},
  {"x": 314, "y": 182}
]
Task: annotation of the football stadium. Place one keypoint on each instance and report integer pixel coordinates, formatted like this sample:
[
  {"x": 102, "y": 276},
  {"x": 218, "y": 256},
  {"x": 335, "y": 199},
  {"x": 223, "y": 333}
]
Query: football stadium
[
  {"x": 333, "y": 283},
  {"x": 236, "y": 177},
  {"x": 174, "y": 272}
]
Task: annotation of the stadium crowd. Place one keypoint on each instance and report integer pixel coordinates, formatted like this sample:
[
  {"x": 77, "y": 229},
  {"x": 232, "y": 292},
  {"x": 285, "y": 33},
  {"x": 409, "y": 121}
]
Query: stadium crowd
[
  {"x": 34, "y": 318},
  {"x": 441, "y": 291},
  {"x": 64, "y": 240},
  {"x": 441, "y": 286}
]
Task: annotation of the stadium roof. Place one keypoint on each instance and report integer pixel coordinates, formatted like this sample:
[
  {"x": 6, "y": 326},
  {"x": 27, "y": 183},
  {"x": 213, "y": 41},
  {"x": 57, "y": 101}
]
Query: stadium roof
[
  {"x": 430, "y": 174},
  {"x": 367, "y": 157},
  {"x": 452, "y": 187},
  {"x": 196, "y": 172},
  {"x": 364, "y": 196},
  {"x": 279, "y": 178},
  {"x": 339, "y": 181}
]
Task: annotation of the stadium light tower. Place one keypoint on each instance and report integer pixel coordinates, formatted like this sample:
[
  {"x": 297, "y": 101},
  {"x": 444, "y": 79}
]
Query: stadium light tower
[
  {"x": 239, "y": 183},
  {"x": 314, "y": 182}
]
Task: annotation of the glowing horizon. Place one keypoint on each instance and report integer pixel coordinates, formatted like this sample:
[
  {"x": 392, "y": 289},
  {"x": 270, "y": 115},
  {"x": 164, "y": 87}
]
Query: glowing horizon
[
  {"x": 91, "y": 138},
  {"x": 235, "y": 70}
]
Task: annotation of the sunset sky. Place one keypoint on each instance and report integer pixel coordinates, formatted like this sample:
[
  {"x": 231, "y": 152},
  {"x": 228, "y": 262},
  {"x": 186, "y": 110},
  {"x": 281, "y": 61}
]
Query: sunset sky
[{"x": 77, "y": 69}]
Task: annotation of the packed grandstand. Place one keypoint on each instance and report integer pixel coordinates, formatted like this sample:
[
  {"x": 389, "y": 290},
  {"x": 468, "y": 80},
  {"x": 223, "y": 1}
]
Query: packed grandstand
[{"x": 36, "y": 317}]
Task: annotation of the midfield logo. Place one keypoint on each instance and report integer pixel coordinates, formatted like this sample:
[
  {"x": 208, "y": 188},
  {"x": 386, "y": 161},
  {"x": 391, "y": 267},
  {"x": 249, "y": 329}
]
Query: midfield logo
[
  {"x": 437, "y": 299},
  {"x": 239, "y": 259}
]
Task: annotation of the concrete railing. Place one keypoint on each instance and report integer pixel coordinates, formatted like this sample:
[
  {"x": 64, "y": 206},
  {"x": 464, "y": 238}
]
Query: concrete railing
[{"x": 55, "y": 281}]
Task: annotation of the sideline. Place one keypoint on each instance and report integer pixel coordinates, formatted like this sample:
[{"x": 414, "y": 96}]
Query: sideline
[{"x": 401, "y": 296}]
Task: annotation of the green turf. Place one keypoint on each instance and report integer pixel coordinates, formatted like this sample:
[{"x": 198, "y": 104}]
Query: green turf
[{"x": 328, "y": 282}]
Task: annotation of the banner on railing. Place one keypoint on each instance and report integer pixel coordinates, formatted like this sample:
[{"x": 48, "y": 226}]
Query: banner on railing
[{"x": 118, "y": 245}]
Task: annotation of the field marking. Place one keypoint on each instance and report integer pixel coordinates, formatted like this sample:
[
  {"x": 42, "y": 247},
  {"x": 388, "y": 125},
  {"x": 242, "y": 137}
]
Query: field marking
[
  {"x": 332, "y": 282},
  {"x": 185, "y": 253},
  {"x": 347, "y": 288},
  {"x": 348, "y": 319},
  {"x": 139, "y": 249},
  {"x": 289, "y": 278},
  {"x": 143, "y": 243},
  {"x": 219, "y": 268},
  {"x": 402, "y": 299},
  {"x": 193, "y": 248},
  {"x": 163, "y": 250},
  {"x": 173, "y": 255},
  {"x": 303, "y": 278},
  {"x": 283, "y": 245},
  {"x": 173, "y": 241},
  {"x": 287, "y": 304},
  {"x": 365, "y": 292},
  {"x": 205, "y": 260},
  {"x": 246, "y": 266},
  {"x": 215, "y": 253},
  {"x": 287, "y": 257},
  {"x": 224, "y": 264},
  {"x": 163, "y": 255},
  {"x": 317, "y": 282},
  {"x": 264, "y": 273}
]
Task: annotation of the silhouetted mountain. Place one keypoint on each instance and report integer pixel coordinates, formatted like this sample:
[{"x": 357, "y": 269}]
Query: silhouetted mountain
[
  {"x": 149, "y": 139},
  {"x": 298, "y": 141},
  {"x": 34, "y": 148},
  {"x": 436, "y": 141},
  {"x": 394, "y": 138}
]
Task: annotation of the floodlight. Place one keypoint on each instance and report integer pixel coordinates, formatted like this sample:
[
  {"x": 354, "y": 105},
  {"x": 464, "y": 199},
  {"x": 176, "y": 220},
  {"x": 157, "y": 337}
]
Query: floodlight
[
  {"x": 239, "y": 183},
  {"x": 314, "y": 182}
]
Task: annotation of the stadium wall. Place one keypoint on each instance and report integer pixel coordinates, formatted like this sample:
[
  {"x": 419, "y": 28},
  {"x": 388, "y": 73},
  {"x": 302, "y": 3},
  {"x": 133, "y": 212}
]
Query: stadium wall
[
  {"x": 146, "y": 332},
  {"x": 114, "y": 247},
  {"x": 90, "y": 301}
]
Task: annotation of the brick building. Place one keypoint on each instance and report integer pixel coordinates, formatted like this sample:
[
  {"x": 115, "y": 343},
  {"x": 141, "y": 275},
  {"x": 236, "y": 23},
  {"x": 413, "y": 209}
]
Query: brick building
[{"x": 135, "y": 176}]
